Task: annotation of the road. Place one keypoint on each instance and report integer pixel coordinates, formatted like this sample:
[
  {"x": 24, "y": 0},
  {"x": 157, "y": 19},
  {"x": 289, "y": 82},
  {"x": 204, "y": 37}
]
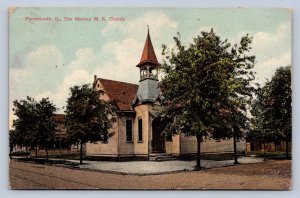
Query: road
[{"x": 269, "y": 175}]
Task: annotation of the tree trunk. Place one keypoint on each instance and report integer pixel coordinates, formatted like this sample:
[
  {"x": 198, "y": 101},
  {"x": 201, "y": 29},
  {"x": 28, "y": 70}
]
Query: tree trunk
[
  {"x": 11, "y": 147},
  {"x": 36, "y": 152},
  {"x": 198, "y": 165},
  {"x": 264, "y": 151},
  {"x": 234, "y": 148},
  {"x": 286, "y": 149},
  {"x": 80, "y": 152},
  {"x": 46, "y": 149},
  {"x": 26, "y": 149},
  {"x": 60, "y": 146}
]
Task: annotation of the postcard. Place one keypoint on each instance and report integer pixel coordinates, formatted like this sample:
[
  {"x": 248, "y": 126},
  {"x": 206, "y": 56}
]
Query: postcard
[{"x": 150, "y": 98}]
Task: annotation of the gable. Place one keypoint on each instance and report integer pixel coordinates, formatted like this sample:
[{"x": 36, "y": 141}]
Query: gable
[{"x": 123, "y": 93}]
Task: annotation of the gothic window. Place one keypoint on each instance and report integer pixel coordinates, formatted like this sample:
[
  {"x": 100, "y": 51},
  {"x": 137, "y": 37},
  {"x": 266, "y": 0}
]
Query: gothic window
[
  {"x": 140, "y": 130},
  {"x": 128, "y": 130}
]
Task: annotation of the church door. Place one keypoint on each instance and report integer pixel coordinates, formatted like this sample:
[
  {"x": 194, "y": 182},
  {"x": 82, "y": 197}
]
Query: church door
[{"x": 158, "y": 139}]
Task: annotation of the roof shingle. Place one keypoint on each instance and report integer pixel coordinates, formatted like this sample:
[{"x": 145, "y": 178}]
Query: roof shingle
[
  {"x": 148, "y": 54},
  {"x": 123, "y": 93}
]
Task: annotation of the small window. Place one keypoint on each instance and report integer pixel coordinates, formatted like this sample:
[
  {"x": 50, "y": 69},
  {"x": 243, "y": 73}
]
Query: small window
[
  {"x": 128, "y": 130},
  {"x": 140, "y": 127}
]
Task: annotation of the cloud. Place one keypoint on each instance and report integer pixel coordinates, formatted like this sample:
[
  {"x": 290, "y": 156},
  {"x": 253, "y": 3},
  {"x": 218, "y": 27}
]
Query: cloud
[
  {"x": 45, "y": 74},
  {"x": 84, "y": 58},
  {"x": 266, "y": 69},
  {"x": 60, "y": 95},
  {"x": 42, "y": 70},
  {"x": 271, "y": 51},
  {"x": 125, "y": 56},
  {"x": 162, "y": 29},
  {"x": 267, "y": 45},
  {"x": 44, "y": 56},
  {"x": 40, "y": 67}
]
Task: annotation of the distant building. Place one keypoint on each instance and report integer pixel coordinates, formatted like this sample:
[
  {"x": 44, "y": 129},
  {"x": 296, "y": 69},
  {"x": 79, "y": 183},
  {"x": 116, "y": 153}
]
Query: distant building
[
  {"x": 60, "y": 145},
  {"x": 252, "y": 147}
]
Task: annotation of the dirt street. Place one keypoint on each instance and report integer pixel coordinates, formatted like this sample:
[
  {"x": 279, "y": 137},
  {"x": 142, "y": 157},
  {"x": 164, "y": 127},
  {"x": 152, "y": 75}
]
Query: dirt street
[{"x": 269, "y": 175}]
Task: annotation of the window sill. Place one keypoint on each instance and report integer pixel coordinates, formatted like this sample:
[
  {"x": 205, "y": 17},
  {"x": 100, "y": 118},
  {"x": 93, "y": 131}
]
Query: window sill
[
  {"x": 139, "y": 141},
  {"x": 129, "y": 142}
]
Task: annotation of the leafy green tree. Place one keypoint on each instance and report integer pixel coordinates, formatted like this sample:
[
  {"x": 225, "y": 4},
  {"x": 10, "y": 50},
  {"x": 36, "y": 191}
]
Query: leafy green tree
[
  {"x": 87, "y": 117},
  {"x": 13, "y": 140},
  {"x": 260, "y": 132},
  {"x": 281, "y": 103},
  {"x": 272, "y": 109},
  {"x": 45, "y": 125},
  {"x": 204, "y": 84},
  {"x": 34, "y": 125}
]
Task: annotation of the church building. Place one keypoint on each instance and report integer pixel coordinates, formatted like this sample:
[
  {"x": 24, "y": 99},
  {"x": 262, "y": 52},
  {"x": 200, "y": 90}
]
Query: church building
[{"x": 137, "y": 133}]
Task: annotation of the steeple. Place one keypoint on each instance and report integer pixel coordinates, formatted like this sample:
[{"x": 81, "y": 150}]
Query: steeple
[
  {"x": 148, "y": 91},
  {"x": 148, "y": 55},
  {"x": 148, "y": 63}
]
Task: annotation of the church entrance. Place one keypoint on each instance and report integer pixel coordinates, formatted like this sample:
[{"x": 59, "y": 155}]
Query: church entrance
[{"x": 158, "y": 139}]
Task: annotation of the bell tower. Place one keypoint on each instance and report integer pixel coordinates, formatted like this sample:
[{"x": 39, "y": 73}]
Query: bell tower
[
  {"x": 148, "y": 64},
  {"x": 148, "y": 90}
]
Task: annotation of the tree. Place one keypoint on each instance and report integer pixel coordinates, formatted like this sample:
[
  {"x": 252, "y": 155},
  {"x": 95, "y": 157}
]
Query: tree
[
  {"x": 272, "y": 109},
  {"x": 260, "y": 131},
  {"x": 13, "y": 140},
  {"x": 204, "y": 84},
  {"x": 281, "y": 103},
  {"x": 45, "y": 125},
  {"x": 34, "y": 125},
  {"x": 87, "y": 117}
]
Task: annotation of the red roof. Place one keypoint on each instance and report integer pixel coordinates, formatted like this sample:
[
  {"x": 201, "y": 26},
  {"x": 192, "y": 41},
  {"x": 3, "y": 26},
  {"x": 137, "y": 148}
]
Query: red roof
[
  {"x": 123, "y": 93},
  {"x": 59, "y": 117},
  {"x": 148, "y": 54}
]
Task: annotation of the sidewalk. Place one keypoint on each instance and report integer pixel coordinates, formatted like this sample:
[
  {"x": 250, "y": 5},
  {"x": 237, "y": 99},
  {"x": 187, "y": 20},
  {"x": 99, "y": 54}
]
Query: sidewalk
[
  {"x": 152, "y": 167},
  {"x": 149, "y": 167}
]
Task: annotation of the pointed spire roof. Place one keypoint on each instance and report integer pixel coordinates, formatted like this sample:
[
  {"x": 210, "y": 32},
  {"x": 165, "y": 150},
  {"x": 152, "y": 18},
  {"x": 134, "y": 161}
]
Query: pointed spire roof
[{"x": 148, "y": 54}]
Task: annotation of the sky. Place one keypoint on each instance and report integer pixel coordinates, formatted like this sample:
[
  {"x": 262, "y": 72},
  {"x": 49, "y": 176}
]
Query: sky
[{"x": 46, "y": 58}]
